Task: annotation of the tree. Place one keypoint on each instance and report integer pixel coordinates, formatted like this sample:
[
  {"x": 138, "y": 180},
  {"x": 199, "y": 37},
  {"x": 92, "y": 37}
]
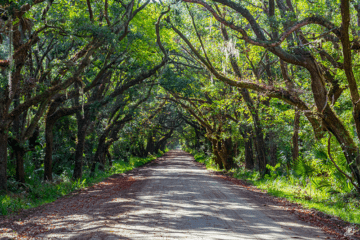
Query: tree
[{"x": 317, "y": 64}]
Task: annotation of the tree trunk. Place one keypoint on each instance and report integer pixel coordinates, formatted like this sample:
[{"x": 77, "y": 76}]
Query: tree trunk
[
  {"x": 228, "y": 154},
  {"x": 20, "y": 171},
  {"x": 295, "y": 138},
  {"x": 81, "y": 134},
  {"x": 259, "y": 136},
  {"x": 3, "y": 159},
  {"x": 271, "y": 147},
  {"x": 215, "y": 151},
  {"x": 273, "y": 152},
  {"x": 217, "y": 159},
  {"x": 19, "y": 153},
  {"x": 197, "y": 140},
  {"x": 248, "y": 144},
  {"x": 163, "y": 141},
  {"x": 249, "y": 156},
  {"x": 223, "y": 154},
  {"x": 109, "y": 157},
  {"x": 49, "y": 138},
  {"x": 260, "y": 149},
  {"x": 259, "y": 140},
  {"x": 32, "y": 145},
  {"x": 99, "y": 154},
  {"x": 331, "y": 121},
  {"x": 150, "y": 145}
]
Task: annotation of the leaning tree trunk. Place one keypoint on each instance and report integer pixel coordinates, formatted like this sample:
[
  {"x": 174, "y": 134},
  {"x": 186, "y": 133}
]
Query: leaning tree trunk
[
  {"x": 259, "y": 136},
  {"x": 163, "y": 141},
  {"x": 331, "y": 121}
]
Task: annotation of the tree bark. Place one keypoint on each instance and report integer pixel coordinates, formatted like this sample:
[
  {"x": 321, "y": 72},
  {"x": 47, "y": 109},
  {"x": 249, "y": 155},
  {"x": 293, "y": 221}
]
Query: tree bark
[
  {"x": 99, "y": 152},
  {"x": 163, "y": 141},
  {"x": 150, "y": 145},
  {"x": 33, "y": 144},
  {"x": 248, "y": 145},
  {"x": 271, "y": 147},
  {"x": 295, "y": 138},
  {"x": 49, "y": 138},
  {"x": 81, "y": 134},
  {"x": 216, "y": 154},
  {"x": 223, "y": 157},
  {"x": 3, "y": 159},
  {"x": 109, "y": 157},
  {"x": 260, "y": 146},
  {"x": 331, "y": 121},
  {"x": 20, "y": 171},
  {"x": 249, "y": 156}
]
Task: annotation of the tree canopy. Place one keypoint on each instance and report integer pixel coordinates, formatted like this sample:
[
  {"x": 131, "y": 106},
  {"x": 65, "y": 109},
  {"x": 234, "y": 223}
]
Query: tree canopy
[{"x": 251, "y": 84}]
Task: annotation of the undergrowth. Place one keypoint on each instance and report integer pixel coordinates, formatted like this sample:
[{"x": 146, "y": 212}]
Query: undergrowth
[
  {"x": 312, "y": 192},
  {"x": 36, "y": 192}
]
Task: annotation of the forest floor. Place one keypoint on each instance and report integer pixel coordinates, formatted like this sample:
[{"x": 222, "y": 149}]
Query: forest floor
[{"x": 170, "y": 198}]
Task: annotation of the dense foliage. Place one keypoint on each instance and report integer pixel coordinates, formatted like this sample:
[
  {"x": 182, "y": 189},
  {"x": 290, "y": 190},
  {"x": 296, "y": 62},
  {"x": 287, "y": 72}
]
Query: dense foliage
[{"x": 265, "y": 87}]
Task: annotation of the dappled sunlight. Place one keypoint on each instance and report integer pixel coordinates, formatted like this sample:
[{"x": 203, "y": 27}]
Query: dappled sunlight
[{"x": 169, "y": 200}]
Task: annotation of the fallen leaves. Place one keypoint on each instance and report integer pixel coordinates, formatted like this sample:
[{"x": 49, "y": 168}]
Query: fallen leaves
[
  {"x": 56, "y": 217},
  {"x": 331, "y": 225}
]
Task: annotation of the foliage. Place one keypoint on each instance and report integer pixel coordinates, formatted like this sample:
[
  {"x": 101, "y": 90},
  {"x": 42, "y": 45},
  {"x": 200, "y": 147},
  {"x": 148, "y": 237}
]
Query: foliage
[
  {"x": 248, "y": 87},
  {"x": 343, "y": 203},
  {"x": 38, "y": 192}
]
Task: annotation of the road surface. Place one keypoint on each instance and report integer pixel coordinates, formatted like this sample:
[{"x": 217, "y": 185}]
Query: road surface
[{"x": 173, "y": 198}]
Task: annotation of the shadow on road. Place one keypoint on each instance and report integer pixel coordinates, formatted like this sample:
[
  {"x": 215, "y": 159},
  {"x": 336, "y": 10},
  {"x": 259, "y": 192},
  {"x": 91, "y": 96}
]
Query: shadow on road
[{"x": 170, "y": 198}]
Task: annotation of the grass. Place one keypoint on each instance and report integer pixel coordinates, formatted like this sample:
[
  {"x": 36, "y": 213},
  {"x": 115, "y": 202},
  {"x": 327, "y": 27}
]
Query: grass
[
  {"x": 343, "y": 205},
  {"x": 37, "y": 192},
  {"x": 202, "y": 158},
  {"x": 305, "y": 191}
]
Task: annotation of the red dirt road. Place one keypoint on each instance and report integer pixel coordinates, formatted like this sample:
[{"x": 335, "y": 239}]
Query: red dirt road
[{"x": 170, "y": 198}]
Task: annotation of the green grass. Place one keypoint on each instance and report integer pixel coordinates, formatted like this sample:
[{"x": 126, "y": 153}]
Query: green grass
[
  {"x": 202, "y": 158},
  {"x": 39, "y": 192},
  {"x": 343, "y": 205},
  {"x": 305, "y": 191}
]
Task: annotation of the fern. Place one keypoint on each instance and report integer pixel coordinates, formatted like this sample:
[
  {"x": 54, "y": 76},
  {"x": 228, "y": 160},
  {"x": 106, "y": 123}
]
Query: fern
[{"x": 303, "y": 168}]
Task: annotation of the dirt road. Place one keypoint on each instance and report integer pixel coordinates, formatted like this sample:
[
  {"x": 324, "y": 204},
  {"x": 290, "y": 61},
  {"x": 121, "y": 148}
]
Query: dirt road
[{"x": 172, "y": 198}]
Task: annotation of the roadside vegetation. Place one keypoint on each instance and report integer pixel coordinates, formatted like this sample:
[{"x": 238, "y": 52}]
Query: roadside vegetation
[
  {"x": 36, "y": 192},
  {"x": 269, "y": 88},
  {"x": 332, "y": 197}
]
